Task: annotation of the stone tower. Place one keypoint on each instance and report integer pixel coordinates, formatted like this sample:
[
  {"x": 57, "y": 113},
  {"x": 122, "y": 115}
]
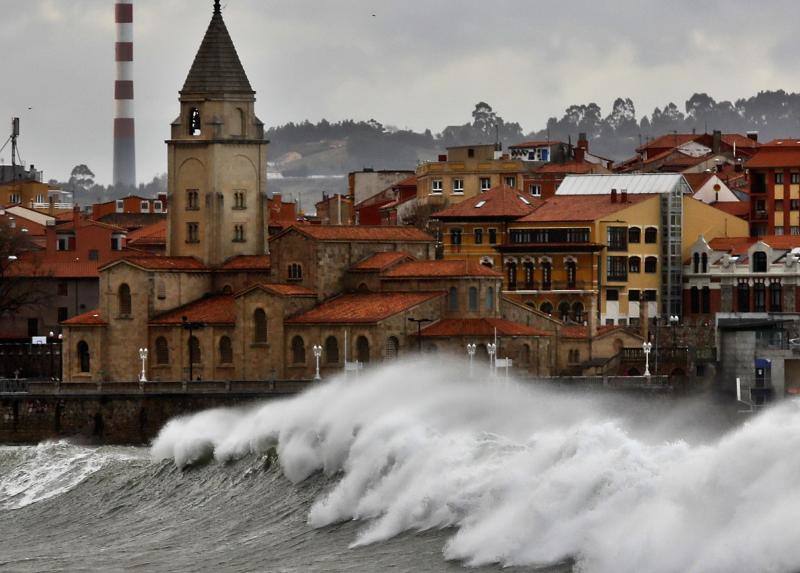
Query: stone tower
[{"x": 217, "y": 158}]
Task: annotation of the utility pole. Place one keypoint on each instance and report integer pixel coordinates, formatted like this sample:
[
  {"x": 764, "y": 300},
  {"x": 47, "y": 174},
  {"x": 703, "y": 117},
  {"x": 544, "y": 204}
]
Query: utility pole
[
  {"x": 419, "y": 322},
  {"x": 191, "y": 327}
]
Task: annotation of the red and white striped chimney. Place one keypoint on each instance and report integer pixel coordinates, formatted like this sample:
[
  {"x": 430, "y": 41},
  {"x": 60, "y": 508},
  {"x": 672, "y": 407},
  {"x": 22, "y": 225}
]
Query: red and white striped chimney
[{"x": 124, "y": 133}]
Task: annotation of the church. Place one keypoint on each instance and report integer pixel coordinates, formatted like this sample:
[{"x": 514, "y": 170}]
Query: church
[{"x": 229, "y": 303}]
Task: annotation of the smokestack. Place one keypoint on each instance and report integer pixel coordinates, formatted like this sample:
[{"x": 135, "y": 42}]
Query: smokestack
[{"x": 124, "y": 135}]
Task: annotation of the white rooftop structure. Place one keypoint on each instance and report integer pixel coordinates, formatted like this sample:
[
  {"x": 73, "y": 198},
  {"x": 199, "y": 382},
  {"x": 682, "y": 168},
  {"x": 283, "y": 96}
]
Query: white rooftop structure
[{"x": 634, "y": 184}]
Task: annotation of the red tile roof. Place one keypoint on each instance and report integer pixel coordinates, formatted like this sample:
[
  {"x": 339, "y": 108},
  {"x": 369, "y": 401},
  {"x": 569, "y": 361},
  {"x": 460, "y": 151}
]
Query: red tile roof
[
  {"x": 247, "y": 263},
  {"x": 155, "y": 234},
  {"x": 580, "y": 207},
  {"x": 480, "y": 327},
  {"x": 407, "y": 182},
  {"x": 360, "y": 234},
  {"x": 440, "y": 269},
  {"x": 732, "y": 245},
  {"x": 776, "y": 153},
  {"x": 280, "y": 289},
  {"x": 672, "y": 140},
  {"x": 737, "y": 208},
  {"x": 381, "y": 261},
  {"x": 218, "y": 309},
  {"x": 39, "y": 265},
  {"x": 582, "y": 332},
  {"x": 499, "y": 202},
  {"x": 573, "y": 168},
  {"x": 156, "y": 263},
  {"x": 363, "y": 308},
  {"x": 91, "y": 318}
]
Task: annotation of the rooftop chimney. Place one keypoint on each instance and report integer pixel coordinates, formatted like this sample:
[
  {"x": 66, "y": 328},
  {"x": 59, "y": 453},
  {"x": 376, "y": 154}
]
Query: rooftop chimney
[
  {"x": 583, "y": 142},
  {"x": 752, "y": 135},
  {"x": 613, "y": 195},
  {"x": 623, "y": 195},
  {"x": 716, "y": 142}
]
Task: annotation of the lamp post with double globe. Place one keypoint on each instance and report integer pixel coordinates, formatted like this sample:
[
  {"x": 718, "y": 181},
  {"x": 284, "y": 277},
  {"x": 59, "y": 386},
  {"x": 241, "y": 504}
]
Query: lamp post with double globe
[
  {"x": 317, "y": 355},
  {"x": 471, "y": 349},
  {"x": 647, "y": 347}
]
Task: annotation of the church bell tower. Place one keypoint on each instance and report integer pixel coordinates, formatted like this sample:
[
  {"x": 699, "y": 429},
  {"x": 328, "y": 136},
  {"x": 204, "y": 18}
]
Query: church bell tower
[{"x": 217, "y": 158}]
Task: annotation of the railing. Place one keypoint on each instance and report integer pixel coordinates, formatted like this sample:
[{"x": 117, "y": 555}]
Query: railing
[
  {"x": 13, "y": 386},
  {"x": 61, "y": 206},
  {"x": 232, "y": 387},
  {"x": 560, "y": 285},
  {"x": 619, "y": 382},
  {"x": 760, "y": 215},
  {"x": 665, "y": 354}
]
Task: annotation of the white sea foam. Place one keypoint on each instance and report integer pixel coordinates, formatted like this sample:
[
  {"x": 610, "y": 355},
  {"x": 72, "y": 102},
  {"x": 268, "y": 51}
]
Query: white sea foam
[{"x": 525, "y": 476}]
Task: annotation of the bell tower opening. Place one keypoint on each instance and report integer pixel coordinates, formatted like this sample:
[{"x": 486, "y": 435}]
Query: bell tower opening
[{"x": 195, "y": 125}]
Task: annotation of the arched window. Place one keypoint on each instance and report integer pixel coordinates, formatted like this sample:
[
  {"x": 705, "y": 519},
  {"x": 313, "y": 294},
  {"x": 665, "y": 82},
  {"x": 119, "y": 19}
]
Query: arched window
[
  {"x": 225, "y": 350},
  {"x": 651, "y": 265},
  {"x": 547, "y": 275},
  {"x": 194, "y": 350},
  {"x": 362, "y": 349},
  {"x": 572, "y": 274},
  {"x": 392, "y": 348},
  {"x": 259, "y": 326},
  {"x": 473, "y": 299},
  {"x": 694, "y": 298},
  {"x": 298, "y": 350},
  {"x": 452, "y": 299},
  {"x": 759, "y": 262},
  {"x": 227, "y": 289},
  {"x": 577, "y": 312},
  {"x": 635, "y": 265},
  {"x": 195, "y": 125},
  {"x": 775, "y": 297},
  {"x": 546, "y": 308},
  {"x": 696, "y": 263},
  {"x": 332, "y": 350},
  {"x": 704, "y": 263},
  {"x": 124, "y": 300},
  {"x": 511, "y": 268},
  {"x": 83, "y": 356},
  {"x": 490, "y": 299},
  {"x": 634, "y": 235},
  {"x": 527, "y": 268},
  {"x": 162, "y": 351},
  {"x": 563, "y": 311},
  {"x": 651, "y": 235}
]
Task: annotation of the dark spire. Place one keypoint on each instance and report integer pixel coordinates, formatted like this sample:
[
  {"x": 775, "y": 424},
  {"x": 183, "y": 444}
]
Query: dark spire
[{"x": 217, "y": 68}]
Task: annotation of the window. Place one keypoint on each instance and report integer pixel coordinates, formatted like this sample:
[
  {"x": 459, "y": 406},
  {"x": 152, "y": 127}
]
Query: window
[
  {"x": 332, "y": 350},
  {"x": 225, "y": 350},
  {"x": 574, "y": 356},
  {"x": 144, "y": 206},
  {"x": 458, "y": 186},
  {"x": 124, "y": 298},
  {"x": 65, "y": 243},
  {"x": 492, "y": 236},
  {"x": 651, "y": 265},
  {"x": 162, "y": 351},
  {"x": 490, "y": 299},
  {"x": 634, "y": 295},
  {"x": 83, "y": 357},
  {"x": 470, "y": 152},
  {"x": 39, "y": 198},
  {"x": 535, "y": 189},
  {"x": 577, "y": 312},
  {"x": 473, "y": 299},
  {"x": 706, "y": 300},
  {"x": 479, "y": 236},
  {"x": 759, "y": 297},
  {"x": 295, "y": 272},
  {"x": 743, "y": 297},
  {"x": 650, "y": 295},
  {"x": 634, "y": 235},
  {"x": 546, "y": 308},
  {"x": 15, "y": 198},
  {"x": 779, "y": 179},
  {"x": 635, "y": 265},
  {"x": 563, "y": 311},
  {"x": 794, "y": 230},
  {"x": 192, "y": 233},
  {"x": 242, "y": 122},
  {"x": 392, "y": 348},
  {"x": 572, "y": 274},
  {"x": 94, "y": 254},
  {"x": 238, "y": 234},
  {"x": 362, "y": 349},
  {"x": 794, "y": 178},
  {"x": 547, "y": 275},
  {"x": 704, "y": 263},
  {"x": 239, "y": 200},
  {"x": 696, "y": 263},
  {"x": 455, "y": 237},
  {"x": 651, "y": 235},
  {"x": 544, "y": 154},
  {"x": 694, "y": 296},
  {"x": 194, "y": 350},
  {"x": 158, "y": 207},
  {"x": 116, "y": 242},
  {"x": 612, "y": 295},
  {"x": 63, "y": 289},
  {"x": 778, "y": 231},
  {"x": 452, "y": 299},
  {"x": 511, "y": 182},
  {"x": 161, "y": 290},
  {"x": 617, "y": 268},
  {"x": 759, "y": 262},
  {"x": 527, "y": 269},
  {"x": 437, "y": 186},
  {"x": 259, "y": 326},
  {"x": 192, "y": 200},
  {"x": 33, "y": 327},
  {"x": 775, "y": 296},
  {"x": 617, "y": 238},
  {"x": 63, "y": 313},
  {"x": 195, "y": 125},
  {"x": 120, "y": 206},
  {"x": 298, "y": 350},
  {"x": 486, "y": 183}
]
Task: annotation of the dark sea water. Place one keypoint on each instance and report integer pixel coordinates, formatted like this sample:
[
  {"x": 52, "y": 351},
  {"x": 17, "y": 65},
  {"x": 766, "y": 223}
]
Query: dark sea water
[{"x": 417, "y": 467}]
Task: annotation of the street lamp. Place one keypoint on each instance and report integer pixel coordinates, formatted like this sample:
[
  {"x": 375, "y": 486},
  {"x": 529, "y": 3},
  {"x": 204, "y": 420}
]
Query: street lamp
[
  {"x": 647, "y": 347},
  {"x": 317, "y": 355},
  {"x": 143, "y": 356},
  {"x": 673, "y": 322},
  {"x": 471, "y": 349},
  {"x": 419, "y": 322},
  {"x": 191, "y": 327},
  {"x": 491, "y": 348}
]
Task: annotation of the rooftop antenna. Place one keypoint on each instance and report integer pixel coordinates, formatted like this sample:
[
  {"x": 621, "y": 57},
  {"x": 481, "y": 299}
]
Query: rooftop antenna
[
  {"x": 14, "y": 152},
  {"x": 497, "y": 146}
]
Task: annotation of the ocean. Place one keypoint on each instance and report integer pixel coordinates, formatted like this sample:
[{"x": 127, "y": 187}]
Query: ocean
[{"x": 416, "y": 467}]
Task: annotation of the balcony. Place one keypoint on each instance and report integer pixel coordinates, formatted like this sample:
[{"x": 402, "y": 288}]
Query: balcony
[
  {"x": 760, "y": 215},
  {"x": 617, "y": 278},
  {"x": 538, "y": 286}
]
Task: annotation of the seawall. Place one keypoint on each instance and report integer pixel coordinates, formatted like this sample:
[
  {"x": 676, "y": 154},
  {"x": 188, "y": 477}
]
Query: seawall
[{"x": 118, "y": 413}]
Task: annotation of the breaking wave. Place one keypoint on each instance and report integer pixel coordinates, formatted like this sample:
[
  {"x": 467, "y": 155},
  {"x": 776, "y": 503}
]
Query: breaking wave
[{"x": 526, "y": 476}]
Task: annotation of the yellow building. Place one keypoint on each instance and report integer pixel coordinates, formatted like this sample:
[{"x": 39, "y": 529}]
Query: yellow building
[
  {"x": 35, "y": 195},
  {"x": 466, "y": 172}
]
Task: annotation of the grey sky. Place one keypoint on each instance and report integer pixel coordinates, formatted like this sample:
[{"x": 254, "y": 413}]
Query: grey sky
[{"x": 417, "y": 63}]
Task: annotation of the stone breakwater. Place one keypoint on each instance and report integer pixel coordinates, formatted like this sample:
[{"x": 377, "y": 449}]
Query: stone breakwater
[{"x": 118, "y": 413}]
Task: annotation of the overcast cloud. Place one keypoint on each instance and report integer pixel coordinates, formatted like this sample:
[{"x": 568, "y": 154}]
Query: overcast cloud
[{"x": 416, "y": 63}]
